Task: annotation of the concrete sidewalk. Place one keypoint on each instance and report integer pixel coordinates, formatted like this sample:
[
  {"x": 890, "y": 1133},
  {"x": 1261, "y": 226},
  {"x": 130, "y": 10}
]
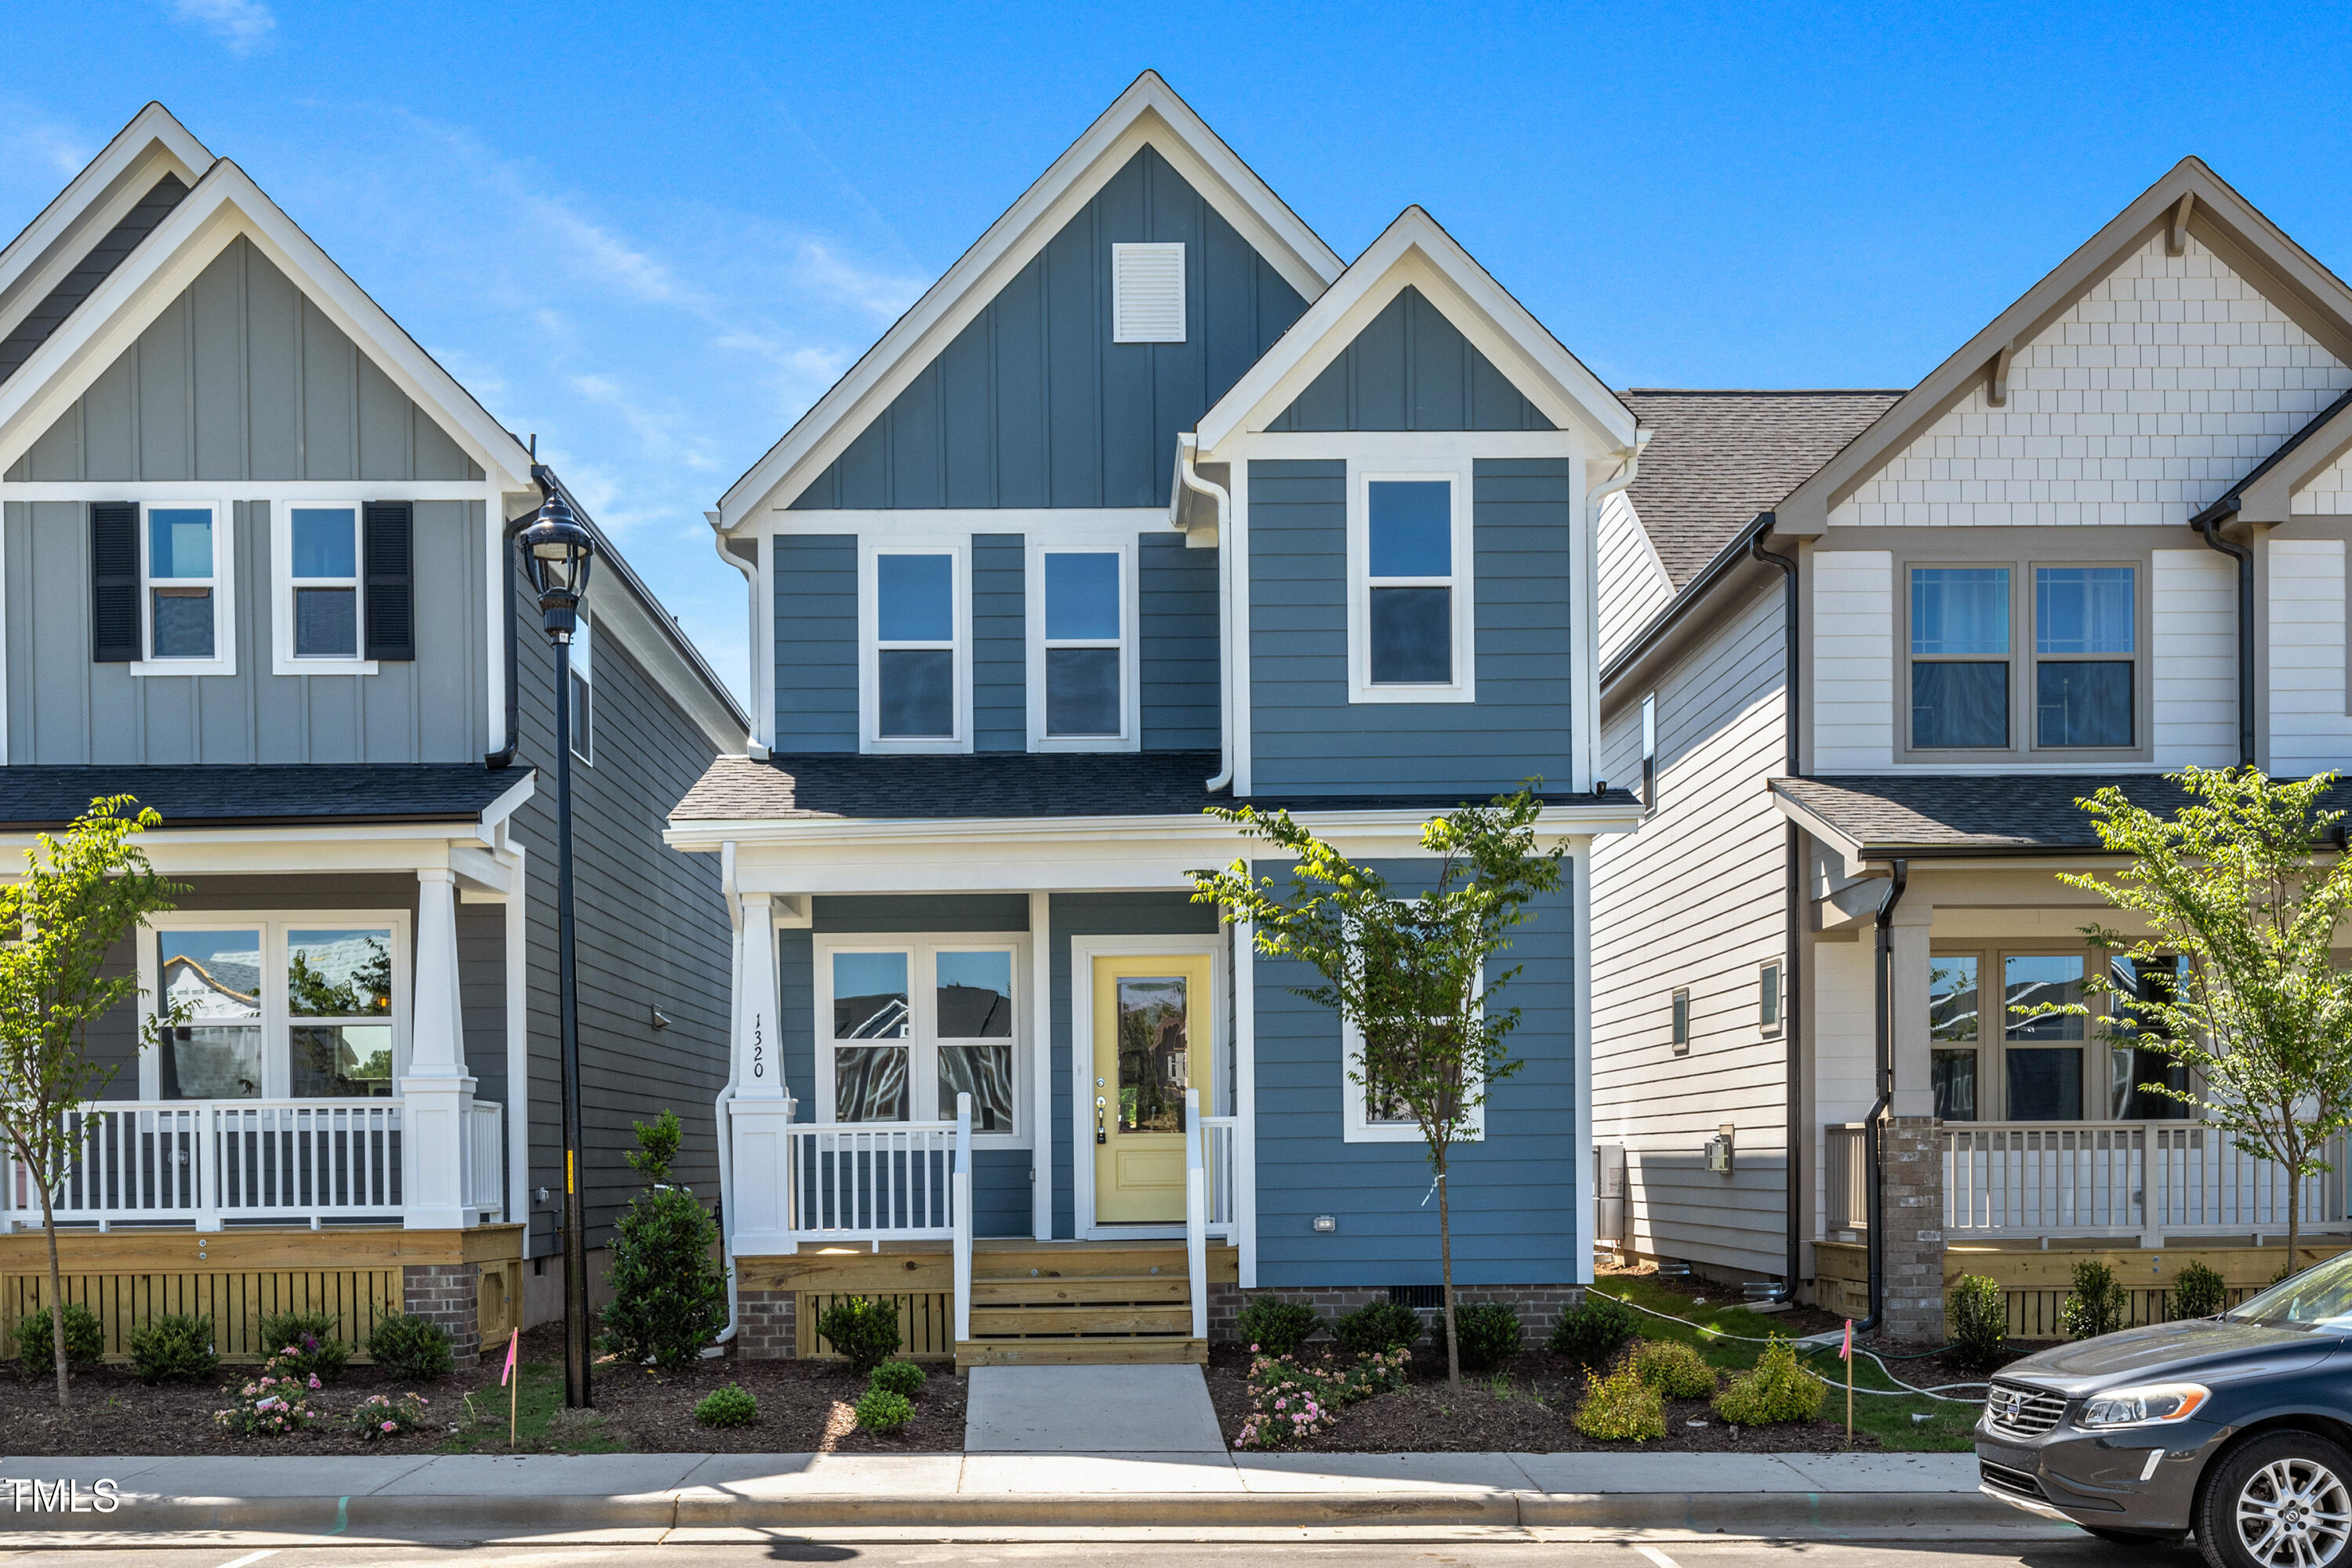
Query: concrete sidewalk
[{"x": 649, "y": 1495}]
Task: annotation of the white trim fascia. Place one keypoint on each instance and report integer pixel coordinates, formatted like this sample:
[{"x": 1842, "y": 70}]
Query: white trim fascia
[
  {"x": 1579, "y": 863},
  {"x": 297, "y": 493},
  {"x": 1414, "y": 249},
  {"x": 1461, "y": 583},
  {"x": 870, "y": 740},
  {"x": 1041, "y": 1082},
  {"x": 1188, "y": 832},
  {"x": 282, "y": 657},
  {"x": 1084, "y": 951},
  {"x": 1130, "y": 642},
  {"x": 154, "y": 143},
  {"x": 1075, "y": 523},
  {"x": 1241, "y": 699},
  {"x": 1403, "y": 446},
  {"x": 1244, "y": 981},
  {"x": 1148, "y": 111},
  {"x": 518, "y": 1090},
  {"x": 226, "y": 204}
]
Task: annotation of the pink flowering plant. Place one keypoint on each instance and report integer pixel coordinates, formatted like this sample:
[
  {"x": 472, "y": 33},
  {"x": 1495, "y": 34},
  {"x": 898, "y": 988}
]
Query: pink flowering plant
[
  {"x": 272, "y": 1405},
  {"x": 1292, "y": 1399},
  {"x": 378, "y": 1416}
]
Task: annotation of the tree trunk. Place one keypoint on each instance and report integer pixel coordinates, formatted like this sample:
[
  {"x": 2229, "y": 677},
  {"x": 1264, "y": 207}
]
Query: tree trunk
[
  {"x": 1445, "y": 1260},
  {"x": 2294, "y": 1212},
  {"x": 56, "y": 1299}
]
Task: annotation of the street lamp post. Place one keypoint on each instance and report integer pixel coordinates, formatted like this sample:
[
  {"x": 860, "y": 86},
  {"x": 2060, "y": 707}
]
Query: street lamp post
[{"x": 557, "y": 552}]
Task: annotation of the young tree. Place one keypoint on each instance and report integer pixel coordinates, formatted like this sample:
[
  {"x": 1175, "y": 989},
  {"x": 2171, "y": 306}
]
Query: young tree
[
  {"x": 2247, "y": 884},
  {"x": 1408, "y": 973},
  {"x": 78, "y": 897}
]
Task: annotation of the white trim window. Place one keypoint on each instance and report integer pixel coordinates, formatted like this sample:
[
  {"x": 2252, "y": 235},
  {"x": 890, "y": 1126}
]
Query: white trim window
[
  {"x": 186, "y": 580},
  {"x": 1374, "y": 1118},
  {"x": 584, "y": 690},
  {"x": 314, "y": 552},
  {"x": 1083, "y": 691},
  {"x": 914, "y": 630},
  {"x": 276, "y": 1006},
  {"x": 904, "y": 1024},
  {"x": 1410, "y": 586}
]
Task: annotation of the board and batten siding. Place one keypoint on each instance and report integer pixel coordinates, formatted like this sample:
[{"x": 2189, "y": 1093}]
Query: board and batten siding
[
  {"x": 242, "y": 377},
  {"x": 64, "y": 707},
  {"x": 1306, "y": 738},
  {"x": 1410, "y": 369},
  {"x": 1696, "y": 900},
  {"x": 1033, "y": 405},
  {"x": 2193, "y": 657},
  {"x": 816, "y": 641},
  {"x": 2309, "y": 732},
  {"x": 1854, "y": 697},
  {"x": 1514, "y": 1195},
  {"x": 1634, "y": 582}
]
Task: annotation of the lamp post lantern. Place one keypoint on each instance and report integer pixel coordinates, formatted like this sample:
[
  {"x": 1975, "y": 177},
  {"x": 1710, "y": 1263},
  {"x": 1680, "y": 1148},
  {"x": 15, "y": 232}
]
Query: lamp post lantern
[{"x": 557, "y": 551}]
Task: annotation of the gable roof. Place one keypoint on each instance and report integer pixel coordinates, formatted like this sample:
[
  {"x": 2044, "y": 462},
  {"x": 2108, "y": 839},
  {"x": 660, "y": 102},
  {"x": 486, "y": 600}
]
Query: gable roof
[
  {"x": 1148, "y": 113},
  {"x": 2189, "y": 199},
  {"x": 2269, "y": 490},
  {"x": 1717, "y": 458},
  {"x": 1415, "y": 251}
]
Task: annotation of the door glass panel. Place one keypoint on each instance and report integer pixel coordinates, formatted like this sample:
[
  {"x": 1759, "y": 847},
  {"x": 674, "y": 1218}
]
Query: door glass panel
[
  {"x": 1152, "y": 1052},
  {"x": 214, "y": 979},
  {"x": 869, "y": 997}
]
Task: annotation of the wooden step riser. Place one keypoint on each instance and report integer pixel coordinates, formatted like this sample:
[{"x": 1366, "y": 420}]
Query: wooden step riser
[
  {"x": 987, "y": 1321},
  {"x": 1062, "y": 1292},
  {"x": 1081, "y": 1352},
  {"x": 1076, "y": 1263}
]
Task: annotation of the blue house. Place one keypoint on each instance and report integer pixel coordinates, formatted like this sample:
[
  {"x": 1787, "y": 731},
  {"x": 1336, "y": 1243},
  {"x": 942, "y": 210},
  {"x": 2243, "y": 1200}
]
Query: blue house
[{"x": 1151, "y": 503}]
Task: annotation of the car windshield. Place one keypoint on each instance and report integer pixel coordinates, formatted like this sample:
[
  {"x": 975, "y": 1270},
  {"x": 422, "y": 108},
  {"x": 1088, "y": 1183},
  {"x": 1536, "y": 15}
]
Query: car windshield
[{"x": 2318, "y": 1297}]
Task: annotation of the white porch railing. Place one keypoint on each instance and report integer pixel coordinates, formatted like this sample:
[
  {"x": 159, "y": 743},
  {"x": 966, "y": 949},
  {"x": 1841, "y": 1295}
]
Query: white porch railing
[
  {"x": 2121, "y": 1178},
  {"x": 486, "y": 1161},
  {"x": 1196, "y": 1215},
  {"x": 1218, "y": 1139},
  {"x": 960, "y": 1190},
  {"x": 872, "y": 1182}
]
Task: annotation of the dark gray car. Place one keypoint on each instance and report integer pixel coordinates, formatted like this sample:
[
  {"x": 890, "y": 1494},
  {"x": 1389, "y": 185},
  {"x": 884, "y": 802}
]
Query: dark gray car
[{"x": 2236, "y": 1428}]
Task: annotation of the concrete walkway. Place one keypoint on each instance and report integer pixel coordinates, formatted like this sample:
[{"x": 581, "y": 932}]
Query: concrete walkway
[{"x": 1090, "y": 1410}]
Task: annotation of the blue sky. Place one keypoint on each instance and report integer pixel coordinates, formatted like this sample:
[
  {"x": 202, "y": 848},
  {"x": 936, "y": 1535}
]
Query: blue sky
[{"x": 655, "y": 234}]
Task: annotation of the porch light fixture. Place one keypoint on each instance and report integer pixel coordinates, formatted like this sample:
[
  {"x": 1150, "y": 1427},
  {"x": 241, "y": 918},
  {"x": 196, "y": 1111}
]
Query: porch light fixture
[{"x": 557, "y": 552}]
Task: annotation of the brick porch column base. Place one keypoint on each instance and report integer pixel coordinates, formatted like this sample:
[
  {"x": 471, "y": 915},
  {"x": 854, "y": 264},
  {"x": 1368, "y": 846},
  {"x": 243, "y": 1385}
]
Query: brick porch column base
[
  {"x": 449, "y": 1294},
  {"x": 1913, "y": 1244},
  {"x": 765, "y": 1329}
]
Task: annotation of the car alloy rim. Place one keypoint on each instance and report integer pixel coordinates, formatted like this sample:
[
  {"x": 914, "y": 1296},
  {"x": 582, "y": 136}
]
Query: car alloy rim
[{"x": 2294, "y": 1513}]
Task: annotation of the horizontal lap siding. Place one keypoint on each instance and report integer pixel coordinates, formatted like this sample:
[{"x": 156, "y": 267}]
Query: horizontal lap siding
[
  {"x": 1305, "y": 736},
  {"x": 2309, "y": 729},
  {"x": 1696, "y": 898},
  {"x": 1634, "y": 584},
  {"x": 1854, "y": 701},
  {"x": 2195, "y": 663},
  {"x": 1179, "y": 642},
  {"x": 1514, "y": 1195},
  {"x": 817, "y": 642},
  {"x": 1000, "y": 652}
]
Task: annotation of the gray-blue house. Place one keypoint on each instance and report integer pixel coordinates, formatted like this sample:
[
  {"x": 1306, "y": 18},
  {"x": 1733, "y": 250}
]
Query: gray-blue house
[{"x": 1150, "y": 504}]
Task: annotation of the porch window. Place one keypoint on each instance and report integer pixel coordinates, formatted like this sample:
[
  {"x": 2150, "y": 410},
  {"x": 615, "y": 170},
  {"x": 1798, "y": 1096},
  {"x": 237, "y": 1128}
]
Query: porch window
[
  {"x": 1959, "y": 658},
  {"x": 1952, "y": 1026},
  {"x": 2133, "y": 1059},
  {"x": 2043, "y": 1055},
  {"x": 303, "y": 1008},
  {"x": 915, "y": 629},
  {"x": 2083, "y": 645},
  {"x": 911, "y": 1025}
]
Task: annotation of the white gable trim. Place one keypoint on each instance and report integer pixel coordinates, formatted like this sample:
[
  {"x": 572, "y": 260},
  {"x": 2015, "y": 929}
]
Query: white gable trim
[
  {"x": 1149, "y": 113},
  {"x": 225, "y": 204},
  {"x": 1415, "y": 250},
  {"x": 152, "y": 145}
]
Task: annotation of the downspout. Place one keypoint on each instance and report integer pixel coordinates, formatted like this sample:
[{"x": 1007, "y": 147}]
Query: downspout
[
  {"x": 727, "y": 1093},
  {"x": 541, "y": 475},
  {"x": 1792, "y": 938},
  {"x": 756, "y": 749},
  {"x": 2208, "y": 524},
  {"x": 1187, "y": 448},
  {"x": 1630, "y": 469},
  {"x": 1878, "y": 1107}
]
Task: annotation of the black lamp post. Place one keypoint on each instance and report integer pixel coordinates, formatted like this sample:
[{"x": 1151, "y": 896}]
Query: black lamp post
[{"x": 556, "y": 553}]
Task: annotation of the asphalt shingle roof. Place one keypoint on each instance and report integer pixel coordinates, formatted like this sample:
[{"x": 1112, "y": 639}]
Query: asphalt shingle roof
[
  {"x": 1966, "y": 814},
  {"x": 224, "y": 795},
  {"x": 1717, "y": 459}
]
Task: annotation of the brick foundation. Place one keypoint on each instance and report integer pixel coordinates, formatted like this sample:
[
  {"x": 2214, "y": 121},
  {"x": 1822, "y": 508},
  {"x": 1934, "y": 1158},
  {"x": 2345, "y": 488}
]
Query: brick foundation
[
  {"x": 765, "y": 1325},
  {"x": 449, "y": 1294},
  {"x": 1539, "y": 1305},
  {"x": 1914, "y": 1246}
]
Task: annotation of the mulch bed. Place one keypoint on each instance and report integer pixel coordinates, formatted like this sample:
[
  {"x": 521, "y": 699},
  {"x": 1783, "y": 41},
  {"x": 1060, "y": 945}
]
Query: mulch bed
[{"x": 114, "y": 1412}]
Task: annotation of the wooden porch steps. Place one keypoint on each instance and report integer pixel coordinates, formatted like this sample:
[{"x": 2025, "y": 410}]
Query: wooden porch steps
[{"x": 1064, "y": 1306}]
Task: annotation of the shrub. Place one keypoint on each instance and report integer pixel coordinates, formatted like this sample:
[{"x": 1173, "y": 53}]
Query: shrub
[
  {"x": 307, "y": 1341},
  {"x": 879, "y": 1410},
  {"x": 1490, "y": 1333},
  {"x": 1276, "y": 1328},
  {"x": 865, "y": 1330},
  {"x": 1591, "y": 1332},
  {"x": 173, "y": 1349},
  {"x": 1978, "y": 1314},
  {"x": 1622, "y": 1407},
  {"x": 1674, "y": 1369},
  {"x": 1377, "y": 1328},
  {"x": 379, "y": 1417},
  {"x": 1291, "y": 1400},
  {"x": 407, "y": 1346},
  {"x": 733, "y": 1406},
  {"x": 1777, "y": 1389},
  {"x": 2197, "y": 1294},
  {"x": 899, "y": 1378},
  {"x": 272, "y": 1405},
  {"x": 668, "y": 1295},
  {"x": 37, "y": 1342},
  {"x": 2096, "y": 1306}
]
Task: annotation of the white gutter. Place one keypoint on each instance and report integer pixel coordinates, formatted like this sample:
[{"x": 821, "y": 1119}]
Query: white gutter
[
  {"x": 763, "y": 713},
  {"x": 726, "y": 1092},
  {"x": 1630, "y": 468},
  {"x": 1188, "y": 449}
]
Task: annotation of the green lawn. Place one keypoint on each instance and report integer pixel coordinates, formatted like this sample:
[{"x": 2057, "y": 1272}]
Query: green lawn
[
  {"x": 1948, "y": 1427},
  {"x": 482, "y": 1419}
]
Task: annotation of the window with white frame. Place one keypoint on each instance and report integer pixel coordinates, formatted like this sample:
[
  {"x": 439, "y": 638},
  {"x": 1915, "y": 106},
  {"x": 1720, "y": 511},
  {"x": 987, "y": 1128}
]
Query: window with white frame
[
  {"x": 1375, "y": 1114},
  {"x": 1408, "y": 565},
  {"x": 1082, "y": 652},
  {"x": 290, "y": 1008},
  {"x": 184, "y": 577},
  {"x": 583, "y": 692},
  {"x": 917, "y": 674},
  {"x": 905, "y": 1025}
]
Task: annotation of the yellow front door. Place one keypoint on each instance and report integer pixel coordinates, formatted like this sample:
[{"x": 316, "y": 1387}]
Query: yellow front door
[{"x": 1147, "y": 1013}]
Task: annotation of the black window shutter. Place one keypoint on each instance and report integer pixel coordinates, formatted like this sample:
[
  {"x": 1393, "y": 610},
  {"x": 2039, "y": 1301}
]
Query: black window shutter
[
  {"x": 388, "y": 579},
  {"x": 114, "y": 582}
]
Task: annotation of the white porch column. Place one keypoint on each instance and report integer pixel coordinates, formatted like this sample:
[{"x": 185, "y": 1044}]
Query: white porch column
[
  {"x": 437, "y": 1094},
  {"x": 1245, "y": 1099},
  {"x": 761, "y": 1108},
  {"x": 1041, "y": 1098},
  {"x": 1914, "y": 1052}
]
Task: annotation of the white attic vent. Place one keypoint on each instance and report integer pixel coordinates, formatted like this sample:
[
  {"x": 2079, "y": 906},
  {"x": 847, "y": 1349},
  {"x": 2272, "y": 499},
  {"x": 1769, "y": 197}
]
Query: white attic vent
[{"x": 1147, "y": 283}]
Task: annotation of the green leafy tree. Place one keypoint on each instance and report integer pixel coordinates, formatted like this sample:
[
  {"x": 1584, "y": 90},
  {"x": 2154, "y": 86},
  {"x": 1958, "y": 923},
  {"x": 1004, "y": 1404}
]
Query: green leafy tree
[
  {"x": 2244, "y": 883},
  {"x": 668, "y": 1295},
  {"x": 1411, "y": 974},
  {"x": 78, "y": 897}
]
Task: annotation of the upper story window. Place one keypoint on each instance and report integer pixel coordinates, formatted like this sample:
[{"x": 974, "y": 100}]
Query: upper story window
[
  {"x": 906, "y": 1024},
  {"x": 1650, "y": 752},
  {"x": 341, "y": 593},
  {"x": 2083, "y": 646},
  {"x": 1082, "y": 651},
  {"x": 584, "y": 690},
  {"x": 2084, "y": 626},
  {"x": 182, "y": 583},
  {"x": 918, "y": 678},
  {"x": 163, "y": 588},
  {"x": 1408, "y": 565},
  {"x": 1959, "y": 656},
  {"x": 1146, "y": 285}
]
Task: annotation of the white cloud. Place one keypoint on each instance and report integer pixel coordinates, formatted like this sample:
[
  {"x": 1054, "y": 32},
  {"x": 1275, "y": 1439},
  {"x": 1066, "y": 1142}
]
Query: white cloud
[
  {"x": 242, "y": 25},
  {"x": 34, "y": 144}
]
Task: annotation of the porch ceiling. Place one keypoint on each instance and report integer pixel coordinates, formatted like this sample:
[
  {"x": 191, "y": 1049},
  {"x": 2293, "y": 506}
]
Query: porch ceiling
[{"x": 1880, "y": 817}]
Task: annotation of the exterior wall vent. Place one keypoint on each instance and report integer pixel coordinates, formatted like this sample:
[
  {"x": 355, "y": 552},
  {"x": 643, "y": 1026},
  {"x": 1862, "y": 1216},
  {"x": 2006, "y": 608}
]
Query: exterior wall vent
[{"x": 1147, "y": 293}]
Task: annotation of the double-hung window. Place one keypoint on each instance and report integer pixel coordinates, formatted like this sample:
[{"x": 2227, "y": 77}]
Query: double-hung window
[
  {"x": 1377, "y": 1113},
  {"x": 918, "y": 688},
  {"x": 304, "y": 1007},
  {"x": 2079, "y": 689},
  {"x": 1409, "y": 558},
  {"x": 184, "y": 563},
  {"x": 325, "y": 581},
  {"x": 905, "y": 1025},
  {"x": 1959, "y": 658},
  {"x": 1082, "y": 650},
  {"x": 2084, "y": 640}
]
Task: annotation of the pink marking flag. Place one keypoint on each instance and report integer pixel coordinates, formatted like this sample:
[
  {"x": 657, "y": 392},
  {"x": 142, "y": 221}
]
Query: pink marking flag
[
  {"x": 1845, "y": 1351},
  {"x": 515, "y": 1339}
]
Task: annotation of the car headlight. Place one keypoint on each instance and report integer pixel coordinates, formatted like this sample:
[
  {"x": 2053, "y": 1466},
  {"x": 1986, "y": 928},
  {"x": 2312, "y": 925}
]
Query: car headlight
[{"x": 2147, "y": 1405}]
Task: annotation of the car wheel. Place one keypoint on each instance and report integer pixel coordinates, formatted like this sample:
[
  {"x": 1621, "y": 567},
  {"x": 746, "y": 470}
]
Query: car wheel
[{"x": 2284, "y": 1500}]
